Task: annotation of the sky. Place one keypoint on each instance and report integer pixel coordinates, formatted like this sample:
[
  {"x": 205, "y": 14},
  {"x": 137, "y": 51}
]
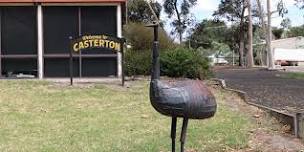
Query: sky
[{"x": 205, "y": 8}]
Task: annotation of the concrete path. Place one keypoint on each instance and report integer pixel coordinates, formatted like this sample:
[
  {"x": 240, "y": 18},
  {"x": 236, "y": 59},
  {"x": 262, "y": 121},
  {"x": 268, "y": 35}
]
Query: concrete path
[{"x": 267, "y": 88}]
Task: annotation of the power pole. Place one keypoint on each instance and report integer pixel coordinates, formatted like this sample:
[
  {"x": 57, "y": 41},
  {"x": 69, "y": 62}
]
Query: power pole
[
  {"x": 250, "y": 61},
  {"x": 269, "y": 36}
]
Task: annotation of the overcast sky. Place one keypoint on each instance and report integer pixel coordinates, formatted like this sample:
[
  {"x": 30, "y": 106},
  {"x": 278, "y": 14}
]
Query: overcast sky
[{"x": 205, "y": 8}]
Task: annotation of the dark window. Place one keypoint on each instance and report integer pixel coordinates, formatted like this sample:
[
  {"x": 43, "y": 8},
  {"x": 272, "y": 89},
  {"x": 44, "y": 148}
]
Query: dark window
[
  {"x": 60, "y": 67},
  {"x": 18, "y": 28},
  {"x": 62, "y": 22},
  {"x": 59, "y": 24},
  {"x": 15, "y": 66},
  {"x": 96, "y": 67},
  {"x": 99, "y": 20}
]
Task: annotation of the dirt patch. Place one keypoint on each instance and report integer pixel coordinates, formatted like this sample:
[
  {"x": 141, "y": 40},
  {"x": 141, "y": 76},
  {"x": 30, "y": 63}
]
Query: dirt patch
[
  {"x": 267, "y": 142},
  {"x": 268, "y": 135}
]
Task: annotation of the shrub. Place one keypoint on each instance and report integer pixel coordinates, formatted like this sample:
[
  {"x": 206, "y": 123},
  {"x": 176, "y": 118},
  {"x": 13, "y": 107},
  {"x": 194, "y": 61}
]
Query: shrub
[
  {"x": 185, "y": 63},
  {"x": 137, "y": 62},
  {"x": 174, "y": 63},
  {"x": 138, "y": 58}
]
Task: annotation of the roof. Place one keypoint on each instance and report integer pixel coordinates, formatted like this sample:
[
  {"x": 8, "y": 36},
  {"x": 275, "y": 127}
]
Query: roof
[
  {"x": 287, "y": 39},
  {"x": 63, "y": 1}
]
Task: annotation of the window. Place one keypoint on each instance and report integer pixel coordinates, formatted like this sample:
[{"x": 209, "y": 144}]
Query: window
[
  {"x": 59, "y": 24},
  {"x": 18, "y": 30}
]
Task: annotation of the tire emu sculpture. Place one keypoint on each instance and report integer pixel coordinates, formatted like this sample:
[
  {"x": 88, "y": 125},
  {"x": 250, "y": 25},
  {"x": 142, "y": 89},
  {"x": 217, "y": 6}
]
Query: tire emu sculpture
[{"x": 188, "y": 99}]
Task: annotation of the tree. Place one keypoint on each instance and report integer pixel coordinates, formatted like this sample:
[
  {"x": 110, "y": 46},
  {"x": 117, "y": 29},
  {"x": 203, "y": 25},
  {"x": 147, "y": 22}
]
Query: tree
[
  {"x": 140, "y": 37},
  {"x": 208, "y": 31},
  {"x": 267, "y": 28},
  {"x": 286, "y": 23},
  {"x": 139, "y": 12},
  {"x": 233, "y": 10},
  {"x": 180, "y": 9},
  {"x": 296, "y": 31},
  {"x": 250, "y": 61},
  {"x": 300, "y": 3},
  {"x": 261, "y": 15}
]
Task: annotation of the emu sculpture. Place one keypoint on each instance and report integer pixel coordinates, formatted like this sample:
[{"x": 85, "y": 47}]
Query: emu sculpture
[{"x": 189, "y": 99}]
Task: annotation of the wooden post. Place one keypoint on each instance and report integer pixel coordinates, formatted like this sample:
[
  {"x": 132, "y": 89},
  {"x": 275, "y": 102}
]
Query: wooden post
[
  {"x": 122, "y": 44},
  {"x": 71, "y": 63},
  {"x": 79, "y": 34}
]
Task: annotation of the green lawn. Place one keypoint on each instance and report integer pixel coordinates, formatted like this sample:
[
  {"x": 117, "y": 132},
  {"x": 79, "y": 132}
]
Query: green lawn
[
  {"x": 42, "y": 116},
  {"x": 295, "y": 75}
]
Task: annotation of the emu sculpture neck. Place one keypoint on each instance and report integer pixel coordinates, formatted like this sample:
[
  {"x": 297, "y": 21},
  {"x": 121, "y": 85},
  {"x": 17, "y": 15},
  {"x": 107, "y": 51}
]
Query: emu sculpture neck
[{"x": 155, "y": 56}]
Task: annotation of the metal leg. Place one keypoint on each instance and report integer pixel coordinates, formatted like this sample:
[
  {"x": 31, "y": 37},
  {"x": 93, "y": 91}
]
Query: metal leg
[
  {"x": 173, "y": 132},
  {"x": 183, "y": 134}
]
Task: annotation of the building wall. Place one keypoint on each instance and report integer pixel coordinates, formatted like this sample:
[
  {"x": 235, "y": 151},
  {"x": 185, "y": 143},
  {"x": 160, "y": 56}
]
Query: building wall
[{"x": 35, "y": 39}]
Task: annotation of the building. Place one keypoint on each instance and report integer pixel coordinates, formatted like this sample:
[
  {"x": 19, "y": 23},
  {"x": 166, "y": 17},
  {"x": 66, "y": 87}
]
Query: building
[
  {"x": 34, "y": 36},
  {"x": 289, "y": 43},
  {"x": 289, "y": 51}
]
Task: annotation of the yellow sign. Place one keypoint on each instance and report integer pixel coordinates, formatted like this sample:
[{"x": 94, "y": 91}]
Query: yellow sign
[{"x": 96, "y": 41}]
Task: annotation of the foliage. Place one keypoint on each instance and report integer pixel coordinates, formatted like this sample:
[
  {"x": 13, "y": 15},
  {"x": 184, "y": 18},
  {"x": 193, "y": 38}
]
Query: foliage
[
  {"x": 178, "y": 62},
  {"x": 207, "y": 32},
  {"x": 296, "y": 31},
  {"x": 138, "y": 11},
  {"x": 185, "y": 63},
  {"x": 286, "y": 23},
  {"x": 217, "y": 49},
  {"x": 300, "y": 3},
  {"x": 141, "y": 37},
  {"x": 277, "y": 32},
  {"x": 281, "y": 8},
  {"x": 232, "y": 10},
  {"x": 137, "y": 62},
  {"x": 181, "y": 9},
  {"x": 138, "y": 58}
]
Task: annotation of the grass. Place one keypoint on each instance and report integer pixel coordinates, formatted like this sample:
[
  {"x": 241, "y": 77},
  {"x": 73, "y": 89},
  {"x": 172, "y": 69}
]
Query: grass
[
  {"x": 42, "y": 116},
  {"x": 295, "y": 75}
]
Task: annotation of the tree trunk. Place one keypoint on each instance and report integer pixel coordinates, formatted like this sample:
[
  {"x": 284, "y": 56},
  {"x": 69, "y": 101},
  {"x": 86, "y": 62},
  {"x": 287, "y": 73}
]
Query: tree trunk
[
  {"x": 179, "y": 30},
  {"x": 269, "y": 33},
  {"x": 242, "y": 42},
  {"x": 261, "y": 16},
  {"x": 250, "y": 61}
]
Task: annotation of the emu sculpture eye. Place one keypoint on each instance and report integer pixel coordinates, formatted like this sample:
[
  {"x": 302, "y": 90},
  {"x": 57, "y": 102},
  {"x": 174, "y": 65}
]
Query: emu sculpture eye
[{"x": 188, "y": 99}]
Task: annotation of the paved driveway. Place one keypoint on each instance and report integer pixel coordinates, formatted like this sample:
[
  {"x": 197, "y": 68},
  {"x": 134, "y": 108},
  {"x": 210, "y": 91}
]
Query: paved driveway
[{"x": 267, "y": 88}]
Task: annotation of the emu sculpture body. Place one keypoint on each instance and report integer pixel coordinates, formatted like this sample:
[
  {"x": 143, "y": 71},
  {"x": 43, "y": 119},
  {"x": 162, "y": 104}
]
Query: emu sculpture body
[{"x": 188, "y": 99}]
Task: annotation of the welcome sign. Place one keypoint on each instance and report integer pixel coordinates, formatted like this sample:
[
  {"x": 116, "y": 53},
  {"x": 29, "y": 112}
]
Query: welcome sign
[
  {"x": 96, "y": 41},
  {"x": 87, "y": 42}
]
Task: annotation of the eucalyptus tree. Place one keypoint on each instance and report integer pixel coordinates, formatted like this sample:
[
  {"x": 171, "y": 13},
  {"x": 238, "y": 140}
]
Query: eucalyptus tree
[
  {"x": 180, "y": 11},
  {"x": 281, "y": 10},
  {"x": 300, "y": 3},
  {"x": 139, "y": 12},
  {"x": 234, "y": 11}
]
